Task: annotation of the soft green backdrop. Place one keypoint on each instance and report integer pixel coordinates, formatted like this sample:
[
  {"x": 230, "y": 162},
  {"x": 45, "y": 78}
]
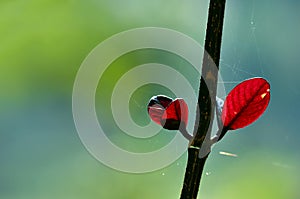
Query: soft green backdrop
[{"x": 43, "y": 43}]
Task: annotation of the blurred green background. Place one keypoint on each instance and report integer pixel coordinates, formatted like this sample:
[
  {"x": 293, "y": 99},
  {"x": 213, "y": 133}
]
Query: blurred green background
[{"x": 43, "y": 43}]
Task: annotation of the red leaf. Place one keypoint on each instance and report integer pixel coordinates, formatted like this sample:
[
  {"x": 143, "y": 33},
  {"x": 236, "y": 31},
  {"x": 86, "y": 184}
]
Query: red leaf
[
  {"x": 157, "y": 106},
  {"x": 167, "y": 113},
  {"x": 246, "y": 103},
  {"x": 177, "y": 111},
  {"x": 156, "y": 112}
]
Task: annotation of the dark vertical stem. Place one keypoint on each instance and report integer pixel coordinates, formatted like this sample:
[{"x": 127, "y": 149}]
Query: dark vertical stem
[
  {"x": 206, "y": 98},
  {"x": 193, "y": 174}
]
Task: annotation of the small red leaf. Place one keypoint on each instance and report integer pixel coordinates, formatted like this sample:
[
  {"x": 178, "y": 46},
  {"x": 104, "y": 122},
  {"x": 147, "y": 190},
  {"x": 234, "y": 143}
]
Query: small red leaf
[
  {"x": 157, "y": 106},
  {"x": 156, "y": 112},
  {"x": 246, "y": 103},
  {"x": 176, "y": 111},
  {"x": 168, "y": 113}
]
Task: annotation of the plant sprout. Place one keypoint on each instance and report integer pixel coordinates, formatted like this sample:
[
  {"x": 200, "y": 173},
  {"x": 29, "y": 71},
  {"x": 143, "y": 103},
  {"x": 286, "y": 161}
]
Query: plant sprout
[{"x": 243, "y": 105}]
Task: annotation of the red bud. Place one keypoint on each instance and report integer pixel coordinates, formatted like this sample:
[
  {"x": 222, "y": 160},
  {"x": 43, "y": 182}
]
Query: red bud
[{"x": 170, "y": 114}]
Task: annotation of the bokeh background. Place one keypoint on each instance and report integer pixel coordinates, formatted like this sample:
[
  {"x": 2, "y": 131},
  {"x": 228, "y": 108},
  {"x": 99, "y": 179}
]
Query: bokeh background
[{"x": 43, "y": 43}]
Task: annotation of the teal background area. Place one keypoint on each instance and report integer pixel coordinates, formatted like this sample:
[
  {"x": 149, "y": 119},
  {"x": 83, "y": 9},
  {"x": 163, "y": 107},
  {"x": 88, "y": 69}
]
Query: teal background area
[{"x": 42, "y": 45}]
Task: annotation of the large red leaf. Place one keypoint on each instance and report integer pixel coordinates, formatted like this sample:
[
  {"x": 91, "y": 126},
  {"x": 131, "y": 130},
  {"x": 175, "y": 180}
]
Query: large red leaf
[{"x": 245, "y": 103}]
